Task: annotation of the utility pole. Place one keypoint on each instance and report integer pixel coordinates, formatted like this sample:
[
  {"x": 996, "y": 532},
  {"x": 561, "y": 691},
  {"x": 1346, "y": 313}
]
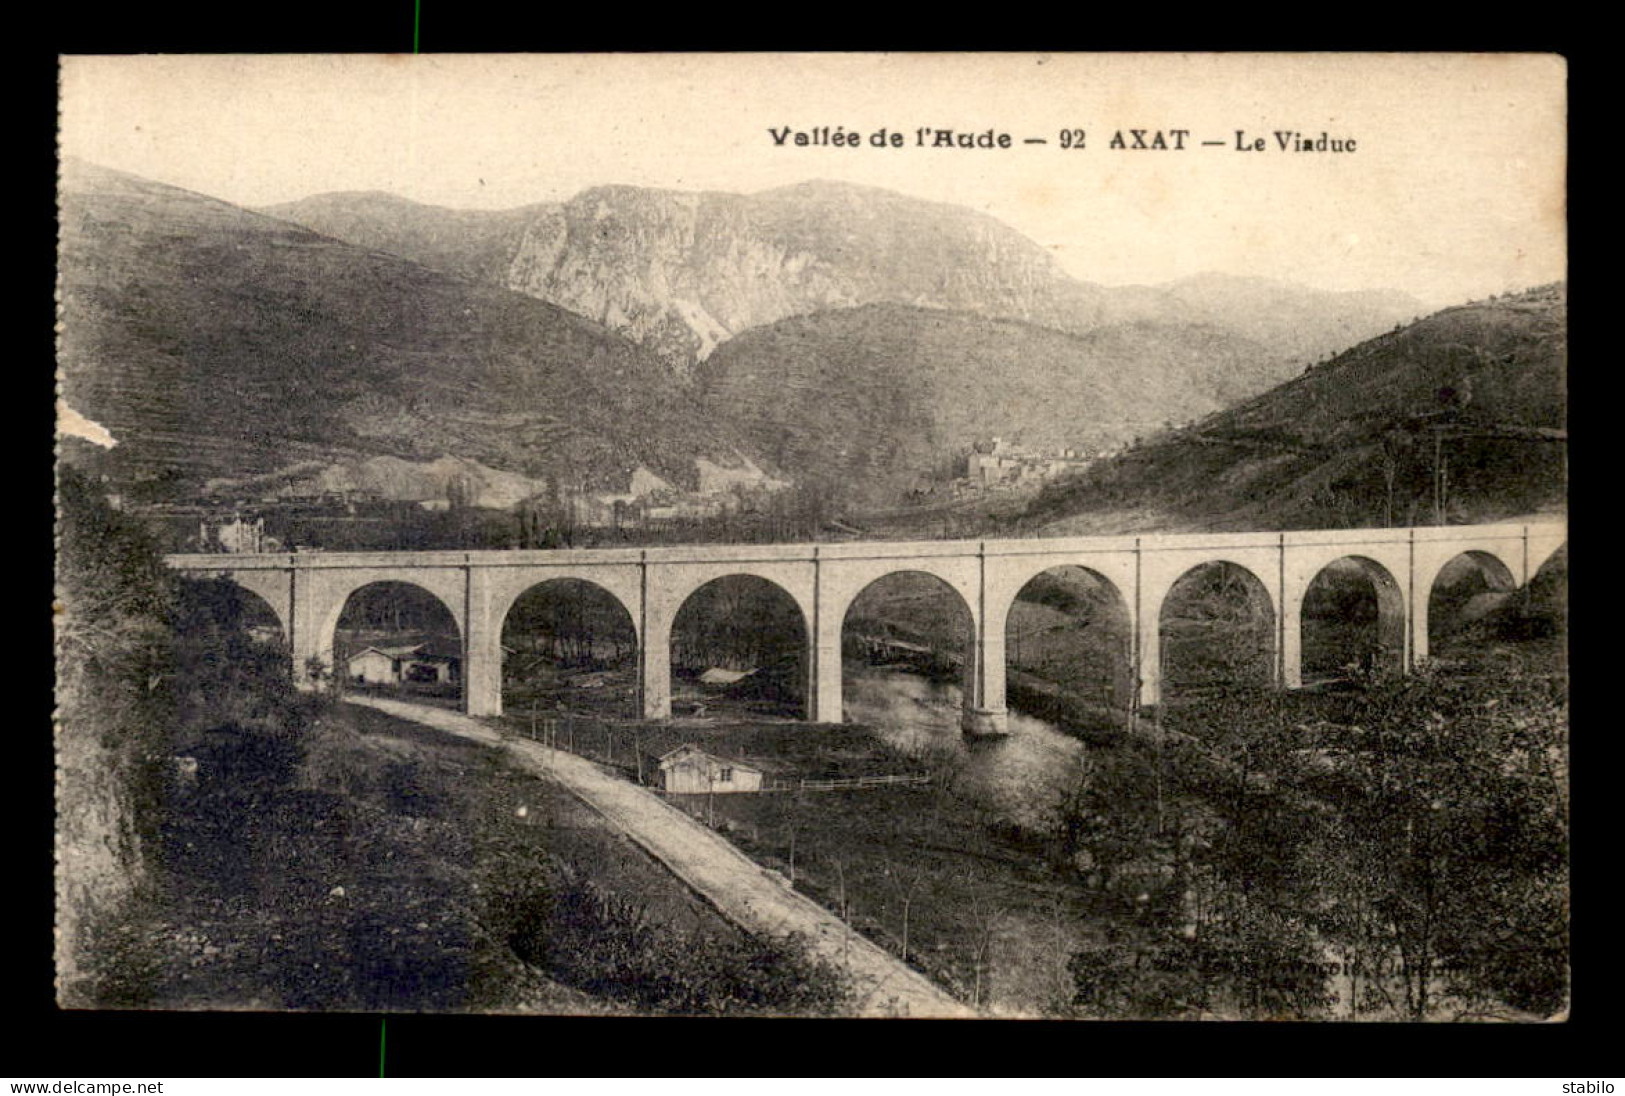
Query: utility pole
[
  {"x": 1157, "y": 722},
  {"x": 1444, "y": 486},
  {"x": 1438, "y": 506},
  {"x": 1440, "y": 476}
]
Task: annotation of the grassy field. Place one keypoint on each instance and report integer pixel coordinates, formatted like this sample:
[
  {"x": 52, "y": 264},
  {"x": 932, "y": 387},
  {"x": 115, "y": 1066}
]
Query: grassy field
[
  {"x": 991, "y": 918},
  {"x": 397, "y": 868},
  {"x": 932, "y": 874}
]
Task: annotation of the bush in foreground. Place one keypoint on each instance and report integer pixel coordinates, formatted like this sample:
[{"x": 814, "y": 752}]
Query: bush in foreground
[{"x": 606, "y": 944}]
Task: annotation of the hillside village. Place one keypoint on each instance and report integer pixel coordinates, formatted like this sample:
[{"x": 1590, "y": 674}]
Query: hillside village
[{"x": 229, "y": 518}]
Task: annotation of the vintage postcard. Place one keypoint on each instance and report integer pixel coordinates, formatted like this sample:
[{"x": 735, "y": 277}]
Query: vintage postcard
[{"x": 868, "y": 535}]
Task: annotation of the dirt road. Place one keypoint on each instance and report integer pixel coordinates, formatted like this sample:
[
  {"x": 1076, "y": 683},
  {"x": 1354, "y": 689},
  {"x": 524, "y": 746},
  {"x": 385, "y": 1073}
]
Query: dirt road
[{"x": 754, "y": 898}]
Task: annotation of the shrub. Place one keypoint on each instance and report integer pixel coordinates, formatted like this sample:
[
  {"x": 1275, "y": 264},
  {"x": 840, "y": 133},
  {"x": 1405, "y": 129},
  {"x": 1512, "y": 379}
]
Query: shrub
[{"x": 605, "y": 944}]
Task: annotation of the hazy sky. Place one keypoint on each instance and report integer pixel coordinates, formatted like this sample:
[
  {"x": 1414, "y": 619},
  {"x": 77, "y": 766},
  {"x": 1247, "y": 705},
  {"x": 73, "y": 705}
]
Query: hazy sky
[{"x": 1456, "y": 189}]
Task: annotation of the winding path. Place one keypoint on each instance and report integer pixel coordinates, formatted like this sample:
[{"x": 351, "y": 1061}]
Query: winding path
[{"x": 749, "y": 895}]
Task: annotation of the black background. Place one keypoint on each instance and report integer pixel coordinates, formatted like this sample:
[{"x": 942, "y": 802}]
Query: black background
[{"x": 41, "y": 1042}]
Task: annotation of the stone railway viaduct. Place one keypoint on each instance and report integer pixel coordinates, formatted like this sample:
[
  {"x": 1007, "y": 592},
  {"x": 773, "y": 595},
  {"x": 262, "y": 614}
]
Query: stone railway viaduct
[{"x": 308, "y": 591}]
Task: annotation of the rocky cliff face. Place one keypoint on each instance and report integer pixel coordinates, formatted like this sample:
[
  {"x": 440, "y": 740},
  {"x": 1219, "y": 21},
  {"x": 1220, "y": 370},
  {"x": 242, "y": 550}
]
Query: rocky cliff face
[{"x": 682, "y": 272}]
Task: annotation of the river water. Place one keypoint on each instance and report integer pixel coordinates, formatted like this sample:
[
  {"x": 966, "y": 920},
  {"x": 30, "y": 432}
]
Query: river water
[{"x": 1023, "y": 776}]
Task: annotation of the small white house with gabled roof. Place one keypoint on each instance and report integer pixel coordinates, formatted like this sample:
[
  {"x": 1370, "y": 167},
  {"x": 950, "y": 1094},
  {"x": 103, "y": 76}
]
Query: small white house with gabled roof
[
  {"x": 380, "y": 665},
  {"x": 428, "y": 662},
  {"x": 689, "y": 770}
]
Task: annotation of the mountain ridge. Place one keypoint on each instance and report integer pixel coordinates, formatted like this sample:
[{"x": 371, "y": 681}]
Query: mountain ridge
[
  {"x": 682, "y": 271},
  {"x": 1477, "y": 390},
  {"x": 872, "y": 400},
  {"x": 226, "y": 342},
  {"x": 220, "y": 341}
]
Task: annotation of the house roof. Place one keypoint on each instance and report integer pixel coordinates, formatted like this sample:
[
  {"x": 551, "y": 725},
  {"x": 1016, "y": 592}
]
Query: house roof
[
  {"x": 442, "y": 648},
  {"x": 688, "y": 749},
  {"x": 431, "y": 650},
  {"x": 387, "y": 652},
  {"x": 717, "y": 675}
]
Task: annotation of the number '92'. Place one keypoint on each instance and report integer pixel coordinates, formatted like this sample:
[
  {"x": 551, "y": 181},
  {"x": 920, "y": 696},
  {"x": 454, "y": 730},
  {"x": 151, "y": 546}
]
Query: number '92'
[{"x": 1072, "y": 138}]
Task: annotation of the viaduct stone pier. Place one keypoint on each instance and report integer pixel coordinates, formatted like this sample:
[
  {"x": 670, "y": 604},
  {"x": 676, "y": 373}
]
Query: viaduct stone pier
[{"x": 308, "y": 591}]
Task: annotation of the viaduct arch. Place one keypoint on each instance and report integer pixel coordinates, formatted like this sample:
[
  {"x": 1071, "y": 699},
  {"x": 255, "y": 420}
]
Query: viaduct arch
[
  {"x": 1253, "y": 592},
  {"x": 939, "y": 585},
  {"x": 767, "y": 595},
  {"x": 1115, "y": 621},
  {"x": 563, "y": 586},
  {"x": 1390, "y": 604}
]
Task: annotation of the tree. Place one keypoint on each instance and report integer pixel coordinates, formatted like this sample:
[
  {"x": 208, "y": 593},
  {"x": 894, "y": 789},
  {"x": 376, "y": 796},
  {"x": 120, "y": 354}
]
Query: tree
[
  {"x": 987, "y": 913},
  {"x": 1446, "y": 867},
  {"x": 1125, "y": 976},
  {"x": 1107, "y": 816},
  {"x": 1397, "y": 448},
  {"x": 151, "y": 667},
  {"x": 906, "y": 883},
  {"x": 114, "y": 690},
  {"x": 793, "y": 820}
]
